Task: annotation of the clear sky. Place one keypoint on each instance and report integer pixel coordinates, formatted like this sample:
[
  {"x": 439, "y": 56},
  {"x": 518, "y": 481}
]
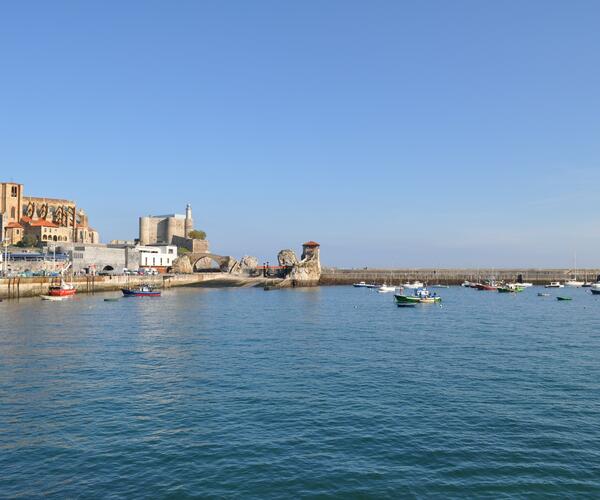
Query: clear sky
[{"x": 395, "y": 133}]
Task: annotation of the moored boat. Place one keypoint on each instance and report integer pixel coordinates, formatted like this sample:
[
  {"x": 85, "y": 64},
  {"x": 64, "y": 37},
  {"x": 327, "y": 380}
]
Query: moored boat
[
  {"x": 489, "y": 287},
  {"x": 510, "y": 288},
  {"x": 415, "y": 285},
  {"x": 555, "y": 284},
  {"x": 542, "y": 294},
  {"x": 386, "y": 288},
  {"x": 574, "y": 283},
  {"x": 406, "y": 300},
  {"x": 141, "y": 291},
  {"x": 362, "y": 284},
  {"x": 62, "y": 290},
  {"x": 595, "y": 289},
  {"x": 563, "y": 298}
]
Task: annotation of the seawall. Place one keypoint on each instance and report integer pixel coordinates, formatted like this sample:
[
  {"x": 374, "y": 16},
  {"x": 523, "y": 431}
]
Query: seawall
[
  {"x": 333, "y": 276},
  {"x": 14, "y": 288}
]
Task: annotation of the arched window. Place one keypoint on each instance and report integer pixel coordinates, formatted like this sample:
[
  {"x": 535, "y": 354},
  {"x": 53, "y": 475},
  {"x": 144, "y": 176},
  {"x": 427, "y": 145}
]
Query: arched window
[{"x": 12, "y": 213}]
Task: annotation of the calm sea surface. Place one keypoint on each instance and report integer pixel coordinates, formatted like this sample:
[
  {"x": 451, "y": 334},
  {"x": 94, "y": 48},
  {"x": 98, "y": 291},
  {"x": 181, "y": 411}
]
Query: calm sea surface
[{"x": 323, "y": 392}]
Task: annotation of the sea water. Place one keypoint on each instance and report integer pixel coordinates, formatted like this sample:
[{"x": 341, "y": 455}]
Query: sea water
[{"x": 318, "y": 392}]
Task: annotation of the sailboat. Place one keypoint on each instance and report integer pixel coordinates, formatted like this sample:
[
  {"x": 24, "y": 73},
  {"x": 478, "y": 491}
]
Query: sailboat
[{"x": 575, "y": 283}]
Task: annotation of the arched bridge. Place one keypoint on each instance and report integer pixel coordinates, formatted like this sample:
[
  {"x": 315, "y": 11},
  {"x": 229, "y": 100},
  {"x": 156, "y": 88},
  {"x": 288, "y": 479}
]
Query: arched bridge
[{"x": 225, "y": 262}]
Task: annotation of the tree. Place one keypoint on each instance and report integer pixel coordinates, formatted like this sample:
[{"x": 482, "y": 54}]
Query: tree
[
  {"x": 182, "y": 251},
  {"x": 28, "y": 241},
  {"x": 197, "y": 234}
]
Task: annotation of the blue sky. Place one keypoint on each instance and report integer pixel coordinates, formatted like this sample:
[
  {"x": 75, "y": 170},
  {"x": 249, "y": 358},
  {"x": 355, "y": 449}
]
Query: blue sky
[{"x": 404, "y": 134}]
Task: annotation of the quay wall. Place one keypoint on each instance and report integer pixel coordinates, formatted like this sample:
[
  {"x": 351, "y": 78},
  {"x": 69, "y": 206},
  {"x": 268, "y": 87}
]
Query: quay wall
[
  {"x": 14, "y": 288},
  {"x": 333, "y": 276}
]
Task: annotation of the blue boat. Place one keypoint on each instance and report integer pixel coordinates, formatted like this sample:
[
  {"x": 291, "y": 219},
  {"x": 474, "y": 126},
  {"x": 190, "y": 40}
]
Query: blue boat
[{"x": 141, "y": 291}]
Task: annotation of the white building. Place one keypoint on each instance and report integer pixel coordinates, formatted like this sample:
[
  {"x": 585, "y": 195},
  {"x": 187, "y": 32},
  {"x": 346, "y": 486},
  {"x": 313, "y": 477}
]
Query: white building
[{"x": 157, "y": 256}]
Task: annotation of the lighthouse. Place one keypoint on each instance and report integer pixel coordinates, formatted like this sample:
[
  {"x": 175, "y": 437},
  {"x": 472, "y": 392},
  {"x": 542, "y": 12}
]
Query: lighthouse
[{"x": 189, "y": 222}]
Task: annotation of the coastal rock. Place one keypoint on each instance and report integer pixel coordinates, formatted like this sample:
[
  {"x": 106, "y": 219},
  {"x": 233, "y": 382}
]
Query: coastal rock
[
  {"x": 248, "y": 263},
  {"x": 182, "y": 265},
  {"x": 307, "y": 271},
  {"x": 287, "y": 258}
]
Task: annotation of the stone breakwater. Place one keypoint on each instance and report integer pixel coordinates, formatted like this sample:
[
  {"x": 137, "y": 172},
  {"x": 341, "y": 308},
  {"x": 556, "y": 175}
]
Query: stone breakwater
[
  {"x": 14, "y": 288},
  {"x": 333, "y": 276}
]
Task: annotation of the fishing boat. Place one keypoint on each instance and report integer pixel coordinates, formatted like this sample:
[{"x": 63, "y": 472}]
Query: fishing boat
[
  {"x": 141, "y": 291},
  {"x": 425, "y": 296},
  {"x": 406, "y": 300},
  {"x": 510, "y": 288},
  {"x": 563, "y": 298},
  {"x": 415, "y": 285},
  {"x": 489, "y": 286},
  {"x": 555, "y": 284}
]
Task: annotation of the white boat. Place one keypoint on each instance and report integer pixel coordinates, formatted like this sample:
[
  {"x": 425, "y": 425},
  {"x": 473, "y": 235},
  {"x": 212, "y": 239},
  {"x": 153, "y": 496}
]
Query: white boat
[
  {"x": 439, "y": 286},
  {"x": 386, "y": 289},
  {"x": 574, "y": 283},
  {"x": 362, "y": 284},
  {"x": 525, "y": 285},
  {"x": 415, "y": 285},
  {"x": 595, "y": 289},
  {"x": 555, "y": 284}
]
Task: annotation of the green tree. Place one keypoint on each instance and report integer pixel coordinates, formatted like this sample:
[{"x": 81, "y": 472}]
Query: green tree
[
  {"x": 197, "y": 234},
  {"x": 182, "y": 251},
  {"x": 28, "y": 241}
]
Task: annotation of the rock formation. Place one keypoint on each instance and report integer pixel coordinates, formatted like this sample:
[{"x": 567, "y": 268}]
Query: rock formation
[
  {"x": 182, "y": 265},
  {"x": 248, "y": 263},
  {"x": 305, "y": 272},
  {"x": 287, "y": 258}
]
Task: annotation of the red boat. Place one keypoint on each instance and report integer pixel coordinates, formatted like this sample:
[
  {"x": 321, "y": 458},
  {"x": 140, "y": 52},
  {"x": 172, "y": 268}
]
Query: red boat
[
  {"x": 487, "y": 287},
  {"x": 62, "y": 290}
]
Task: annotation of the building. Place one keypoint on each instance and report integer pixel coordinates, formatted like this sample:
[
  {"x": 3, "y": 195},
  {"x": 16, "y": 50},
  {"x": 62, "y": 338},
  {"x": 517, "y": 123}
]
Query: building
[
  {"x": 47, "y": 219},
  {"x": 159, "y": 257},
  {"x": 161, "y": 229}
]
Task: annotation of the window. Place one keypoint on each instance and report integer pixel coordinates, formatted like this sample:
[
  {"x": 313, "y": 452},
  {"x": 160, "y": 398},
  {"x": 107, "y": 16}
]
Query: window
[
  {"x": 153, "y": 261},
  {"x": 13, "y": 191},
  {"x": 170, "y": 250},
  {"x": 12, "y": 213}
]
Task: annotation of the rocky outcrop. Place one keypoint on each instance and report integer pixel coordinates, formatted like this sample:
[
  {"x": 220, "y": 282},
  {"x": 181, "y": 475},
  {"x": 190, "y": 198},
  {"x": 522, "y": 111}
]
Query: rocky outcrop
[
  {"x": 287, "y": 258},
  {"x": 305, "y": 272},
  {"x": 248, "y": 264},
  {"x": 182, "y": 265}
]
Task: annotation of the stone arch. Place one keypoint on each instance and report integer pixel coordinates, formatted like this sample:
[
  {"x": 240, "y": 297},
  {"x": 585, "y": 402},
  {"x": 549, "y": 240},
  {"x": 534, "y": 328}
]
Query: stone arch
[
  {"x": 108, "y": 268},
  {"x": 224, "y": 263}
]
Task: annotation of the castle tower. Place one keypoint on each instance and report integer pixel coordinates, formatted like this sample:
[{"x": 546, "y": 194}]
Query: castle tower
[
  {"x": 144, "y": 230},
  {"x": 189, "y": 222}
]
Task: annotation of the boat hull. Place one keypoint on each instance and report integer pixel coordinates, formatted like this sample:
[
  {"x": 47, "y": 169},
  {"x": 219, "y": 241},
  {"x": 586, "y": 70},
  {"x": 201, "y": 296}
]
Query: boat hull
[
  {"x": 138, "y": 293},
  {"x": 61, "y": 292}
]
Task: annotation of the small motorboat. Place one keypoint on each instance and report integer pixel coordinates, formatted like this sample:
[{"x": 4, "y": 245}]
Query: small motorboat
[
  {"x": 439, "y": 286},
  {"x": 466, "y": 284},
  {"x": 487, "y": 287},
  {"x": 141, "y": 291},
  {"x": 362, "y": 284},
  {"x": 112, "y": 299},
  {"x": 555, "y": 284},
  {"x": 563, "y": 298},
  {"x": 386, "y": 288},
  {"x": 595, "y": 289},
  {"x": 542, "y": 294},
  {"x": 525, "y": 285}
]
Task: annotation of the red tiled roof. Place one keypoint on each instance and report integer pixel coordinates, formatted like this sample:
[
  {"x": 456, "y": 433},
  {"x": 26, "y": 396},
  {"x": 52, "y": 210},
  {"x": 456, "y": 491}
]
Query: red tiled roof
[
  {"x": 42, "y": 223},
  {"x": 26, "y": 219},
  {"x": 14, "y": 225},
  {"x": 311, "y": 244}
]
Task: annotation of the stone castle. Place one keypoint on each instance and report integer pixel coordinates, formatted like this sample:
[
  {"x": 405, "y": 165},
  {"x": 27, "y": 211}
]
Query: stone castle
[{"x": 45, "y": 219}]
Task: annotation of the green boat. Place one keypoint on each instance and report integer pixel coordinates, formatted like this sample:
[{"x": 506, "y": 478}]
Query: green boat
[
  {"x": 510, "y": 289},
  {"x": 406, "y": 300},
  {"x": 564, "y": 298}
]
